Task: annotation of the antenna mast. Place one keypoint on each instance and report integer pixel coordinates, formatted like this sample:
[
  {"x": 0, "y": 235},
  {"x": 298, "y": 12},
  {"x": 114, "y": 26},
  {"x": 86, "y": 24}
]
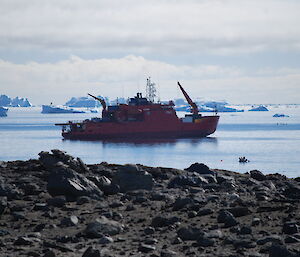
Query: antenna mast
[{"x": 150, "y": 90}]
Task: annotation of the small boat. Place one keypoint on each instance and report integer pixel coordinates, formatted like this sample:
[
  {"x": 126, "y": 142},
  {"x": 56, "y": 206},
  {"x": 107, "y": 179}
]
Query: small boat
[
  {"x": 143, "y": 118},
  {"x": 279, "y": 115},
  {"x": 57, "y": 109},
  {"x": 3, "y": 111}
]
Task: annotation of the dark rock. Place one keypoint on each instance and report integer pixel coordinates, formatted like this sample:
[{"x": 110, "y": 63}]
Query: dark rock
[
  {"x": 244, "y": 243},
  {"x": 10, "y": 191},
  {"x": 255, "y": 222},
  {"x": 245, "y": 230},
  {"x": 205, "y": 242},
  {"x": 82, "y": 200},
  {"x": 40, "y": 207},
  {"x": 291, "y": 240},
  {"x": 105, "y": 240},
  {"x": 69, "y": 221},
  {"x": 160, "y": 221},
  {"x": 180, "y": 203},
  {"x": 3, "y": 204},
  {"x": 256, "y": 174},
  {"x": 51, "y": 160},
  {"x": 130, "y": 177},
  {"x": 168, "y": 253},
  {"x": 290, "y": 228},
  {"x": 200, "y": 168},
  {"x": 277, "y": 250},
  {"x": 103, "y": 226},
  {"x": 144, "y": 248},
  {"x": 203, "y": 212},
  {"x": 58, "y": 201},
  {"x": 239, "y": 211},
  {"x": 49, "y": 253},
  {"x": 65, "y": 181},
  {"x": 189, "y": 233},
  {"x": 23, "y": 241},
  {"x": 149, "y": 231},
  {"x": 184, "y": 180},
  {"x": 267, "y": 239},
  {"x": 227, "y": 218},
  {"x": 91, "y": 252},
  {"x": 292, "y": 191}
]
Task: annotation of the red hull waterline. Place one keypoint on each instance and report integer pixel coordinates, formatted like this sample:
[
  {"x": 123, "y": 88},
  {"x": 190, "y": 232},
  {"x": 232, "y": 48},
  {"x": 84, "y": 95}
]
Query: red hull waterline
[{"x": 205, "y": 126}]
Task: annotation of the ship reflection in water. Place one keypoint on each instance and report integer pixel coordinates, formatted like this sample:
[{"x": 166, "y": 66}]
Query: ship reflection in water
[{"x": 152, "y": 141}]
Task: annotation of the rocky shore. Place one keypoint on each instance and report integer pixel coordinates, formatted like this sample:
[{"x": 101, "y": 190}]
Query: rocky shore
[{"x": 59, "y": 206}]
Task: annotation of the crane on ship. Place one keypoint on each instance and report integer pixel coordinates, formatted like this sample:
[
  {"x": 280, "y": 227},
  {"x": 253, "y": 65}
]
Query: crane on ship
[
  {"x": 100, "y": 100},
  {"x": 194, "y": 106}
]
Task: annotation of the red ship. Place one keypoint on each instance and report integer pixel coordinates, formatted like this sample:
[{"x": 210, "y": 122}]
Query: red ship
[{"x": 142, "y": 118}]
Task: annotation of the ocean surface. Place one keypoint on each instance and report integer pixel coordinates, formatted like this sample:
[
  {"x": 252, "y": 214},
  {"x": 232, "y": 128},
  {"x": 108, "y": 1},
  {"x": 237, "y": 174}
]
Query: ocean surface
[{"x": 271, "y": 144}]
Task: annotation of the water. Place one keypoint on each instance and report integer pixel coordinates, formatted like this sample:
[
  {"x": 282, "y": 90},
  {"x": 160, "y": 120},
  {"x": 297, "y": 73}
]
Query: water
[{"x": 271, "y": 144}]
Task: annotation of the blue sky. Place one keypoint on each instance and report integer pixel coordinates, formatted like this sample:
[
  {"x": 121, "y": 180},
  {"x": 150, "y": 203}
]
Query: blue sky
[{"x": 242, "y": 51}]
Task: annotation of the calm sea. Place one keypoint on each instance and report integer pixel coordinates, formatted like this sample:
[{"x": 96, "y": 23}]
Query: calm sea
[{"x": 271, "y": 144}]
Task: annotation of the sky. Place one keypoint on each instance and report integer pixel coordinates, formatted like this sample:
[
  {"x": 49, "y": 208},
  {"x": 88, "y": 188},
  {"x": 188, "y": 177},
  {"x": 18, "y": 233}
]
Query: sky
[{"x": 240, "y": 51}]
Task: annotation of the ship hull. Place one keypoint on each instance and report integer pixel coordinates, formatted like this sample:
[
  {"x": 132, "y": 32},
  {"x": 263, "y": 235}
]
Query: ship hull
[{"x": 170, "y": 128}]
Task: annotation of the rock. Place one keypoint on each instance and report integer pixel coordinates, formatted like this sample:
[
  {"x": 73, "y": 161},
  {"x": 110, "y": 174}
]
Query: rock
[
  {"x": 205, "y": 242},
  {"x": 105, "y": 240},
  {"x": 239, "y": 211},
  {"x": 58, "y": 201},
  {"x": 256, "y": 174},
  {"x": 160, "y": 221},
  {"x": 203, "y": 212},
  {"x": 184, "y": 180},
  {"x": 277, "y": 250},
  {"x": 291, "y": 240},
  {"x": 290, "y": 228},
  {"x": 227, "y": 218},
  {"x": 180, "y": 203},
  {"x": 82, "y": 200},
  {"x": 49, "y": 253},
  {"x": 267, "y": 239},
  {"x": 200, "y": 168},
  {"x": 103, "y": 226},
  {"x": 255, "y": 222},
  {"x": 245, "y": 230},
  {"x": 144, "y": 248},
  {"x": 65, "y": 181},
  {"x": 149, "y": 231},
  {"x": 3, "y": 204},
  {"x": 51, "y": 160},
  {"x": 131, "y": 177},
  {"x": 23, "y": 241},
  {"x": 292, "y": 191},
  {"x": 168, "y": 253},
  {"x": 91, "y": 252},
  {"x": 69, "y": 221},
  {"x": 189, "y": 233}
]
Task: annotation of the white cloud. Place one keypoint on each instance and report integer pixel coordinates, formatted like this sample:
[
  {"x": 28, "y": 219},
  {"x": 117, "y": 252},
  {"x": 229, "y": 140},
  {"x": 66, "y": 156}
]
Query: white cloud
[
  {"x": 155, "y": 26},
  {"x": 57, "y": 82}
]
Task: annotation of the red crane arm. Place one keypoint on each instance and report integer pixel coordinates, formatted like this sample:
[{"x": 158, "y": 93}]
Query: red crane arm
[
  {"x": 100, "y": 100},
  {"x": 189, "y": 100}
]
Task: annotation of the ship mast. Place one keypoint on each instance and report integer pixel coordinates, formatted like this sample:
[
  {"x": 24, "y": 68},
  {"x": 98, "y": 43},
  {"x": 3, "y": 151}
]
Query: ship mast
[{"x": 150, "y": 90}]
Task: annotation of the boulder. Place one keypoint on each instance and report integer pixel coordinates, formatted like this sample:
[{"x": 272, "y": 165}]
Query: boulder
[
  {"x": 50, "y": 160},
  {"x": 187, "y": 180},
  {"x": 189, "y": 233},
  {"x": 65, "y": 181},
  {"x": 160, "y": 221},
  {"x": 258, "y": 175},
  {"x": 200, "y": 168},
  {"x": 3, "y": 204},
  {"x": 131, "y": 177},
  {"x": 103, "y": 226}
]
